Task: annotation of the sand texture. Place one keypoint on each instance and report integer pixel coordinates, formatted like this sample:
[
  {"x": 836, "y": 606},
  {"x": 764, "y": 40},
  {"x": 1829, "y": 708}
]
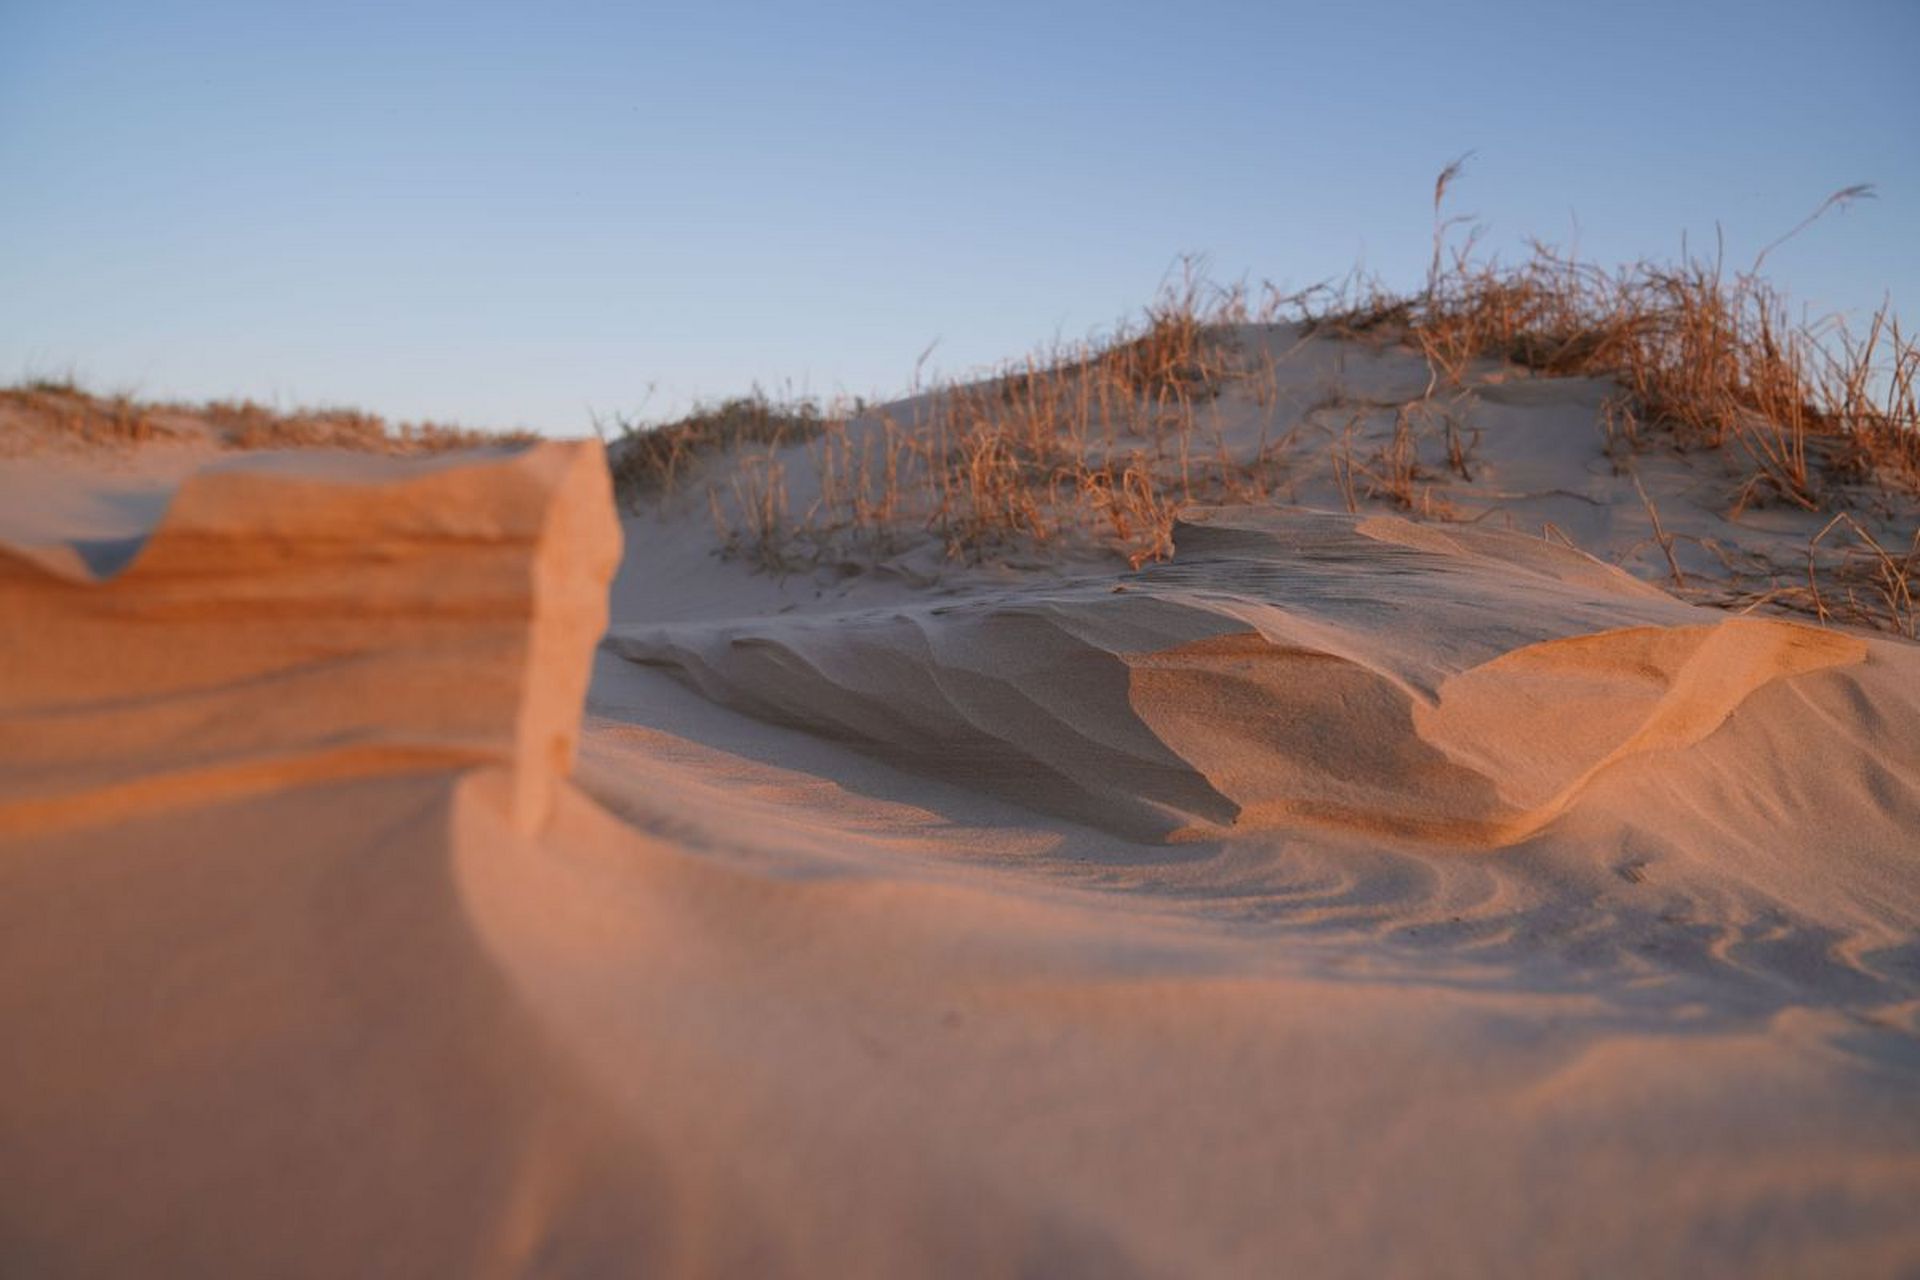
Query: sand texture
[
  {"x": 1345, "y": 896},
  {"x": 1285, "y": 668},
  {"x": 306, "y": 616}
]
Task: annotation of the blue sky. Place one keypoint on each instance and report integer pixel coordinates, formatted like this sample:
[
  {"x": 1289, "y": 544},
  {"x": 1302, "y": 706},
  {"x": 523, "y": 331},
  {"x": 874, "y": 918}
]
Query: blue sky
[{"x": 512, "y": 215}]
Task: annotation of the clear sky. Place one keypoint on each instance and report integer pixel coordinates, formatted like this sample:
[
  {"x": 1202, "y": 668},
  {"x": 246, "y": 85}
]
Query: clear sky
[{"x": 514, "y": 214}]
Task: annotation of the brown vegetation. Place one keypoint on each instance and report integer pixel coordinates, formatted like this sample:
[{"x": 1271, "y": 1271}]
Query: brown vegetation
[
  {"x": 1709, "y": 356},
  {"x": 1096, "y": 445},
  {"x": 59, "y": 411},
  {"x": 648, "y": 458},
  {"x": 1095, "y": 442}
]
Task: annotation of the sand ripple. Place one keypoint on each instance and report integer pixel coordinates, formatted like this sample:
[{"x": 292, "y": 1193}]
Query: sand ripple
[{"x": 1460, "y": 685}]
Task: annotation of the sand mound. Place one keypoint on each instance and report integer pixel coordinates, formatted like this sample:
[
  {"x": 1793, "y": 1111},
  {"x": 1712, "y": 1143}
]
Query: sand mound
[
  {"x": 1285, "y": 667},
  {"x": 247, "y": 743},
  {"x": 292, "y": 987},
  {"x": 292, "y": 617}
]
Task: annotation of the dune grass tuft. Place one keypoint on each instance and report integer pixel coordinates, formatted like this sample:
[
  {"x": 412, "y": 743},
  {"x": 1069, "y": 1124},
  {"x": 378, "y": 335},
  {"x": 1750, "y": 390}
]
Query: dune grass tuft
[
  {"x": 650, "y": 458},
  {"x": 1708, "y": 356}
]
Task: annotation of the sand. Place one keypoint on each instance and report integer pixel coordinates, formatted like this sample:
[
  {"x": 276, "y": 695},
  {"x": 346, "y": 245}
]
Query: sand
[
  {"x": 1346, "y": 896},
  {"x": 1287, "y": 668}
]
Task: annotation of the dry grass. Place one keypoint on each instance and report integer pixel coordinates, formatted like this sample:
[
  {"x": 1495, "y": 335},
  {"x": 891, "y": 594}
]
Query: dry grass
[
  {"x": 1870, "y": 582},
  {"x": 60, "y": 412},
  {"x": 1095, "y": 446},
  {"x": 1708, "y": 357},
  {"x": 1091, "y": 445},
  {"x": 1811, "y": 414},
  {"x": 1848, "y": 574},
  {"x": 246, "y": 425},
  {"x": 649, "y": 458}
]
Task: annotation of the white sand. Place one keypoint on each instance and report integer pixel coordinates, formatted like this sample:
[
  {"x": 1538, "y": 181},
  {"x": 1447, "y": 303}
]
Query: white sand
[{"x": 1346, "y": 897}]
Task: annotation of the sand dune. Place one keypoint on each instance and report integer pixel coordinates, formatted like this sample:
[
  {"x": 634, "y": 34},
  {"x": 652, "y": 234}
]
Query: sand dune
[
  {"x": 1345, "y": 896},
  {"x": 1285, "y": 667}
]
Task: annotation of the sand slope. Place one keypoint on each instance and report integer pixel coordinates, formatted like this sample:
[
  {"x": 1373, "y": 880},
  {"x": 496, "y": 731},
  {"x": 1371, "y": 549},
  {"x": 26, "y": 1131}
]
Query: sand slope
[
  {"x": 1286, "y": 667},
  {"x": 1521, "y": 920}
]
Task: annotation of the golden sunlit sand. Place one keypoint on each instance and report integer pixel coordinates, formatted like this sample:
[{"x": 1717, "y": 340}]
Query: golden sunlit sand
[{"x": 1279, "y": 799}]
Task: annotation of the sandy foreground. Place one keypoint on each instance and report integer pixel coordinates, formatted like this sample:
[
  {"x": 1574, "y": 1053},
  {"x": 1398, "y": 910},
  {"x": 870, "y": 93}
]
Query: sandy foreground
[{"x": 398, "y": 879}]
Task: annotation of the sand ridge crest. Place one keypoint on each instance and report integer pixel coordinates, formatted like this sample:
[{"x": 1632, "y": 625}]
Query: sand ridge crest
[
  {"x": 1463, "y": 688},
  {"x": 294, "y": 616}
]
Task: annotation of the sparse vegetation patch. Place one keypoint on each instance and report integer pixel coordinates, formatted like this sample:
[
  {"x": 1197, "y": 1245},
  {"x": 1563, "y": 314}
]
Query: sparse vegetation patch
[
  {"x": 1094, "y": 446},
  {"x": 54, "y": 412}
]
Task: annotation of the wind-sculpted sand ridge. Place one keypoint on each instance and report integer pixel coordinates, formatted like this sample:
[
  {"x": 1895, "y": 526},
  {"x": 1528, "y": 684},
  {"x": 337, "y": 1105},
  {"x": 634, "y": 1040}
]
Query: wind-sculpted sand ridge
[
  {"x": 292, "y": 617},
  {"x": 279, "y": 1008},
  {"x": 1285, "y": 667}
]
